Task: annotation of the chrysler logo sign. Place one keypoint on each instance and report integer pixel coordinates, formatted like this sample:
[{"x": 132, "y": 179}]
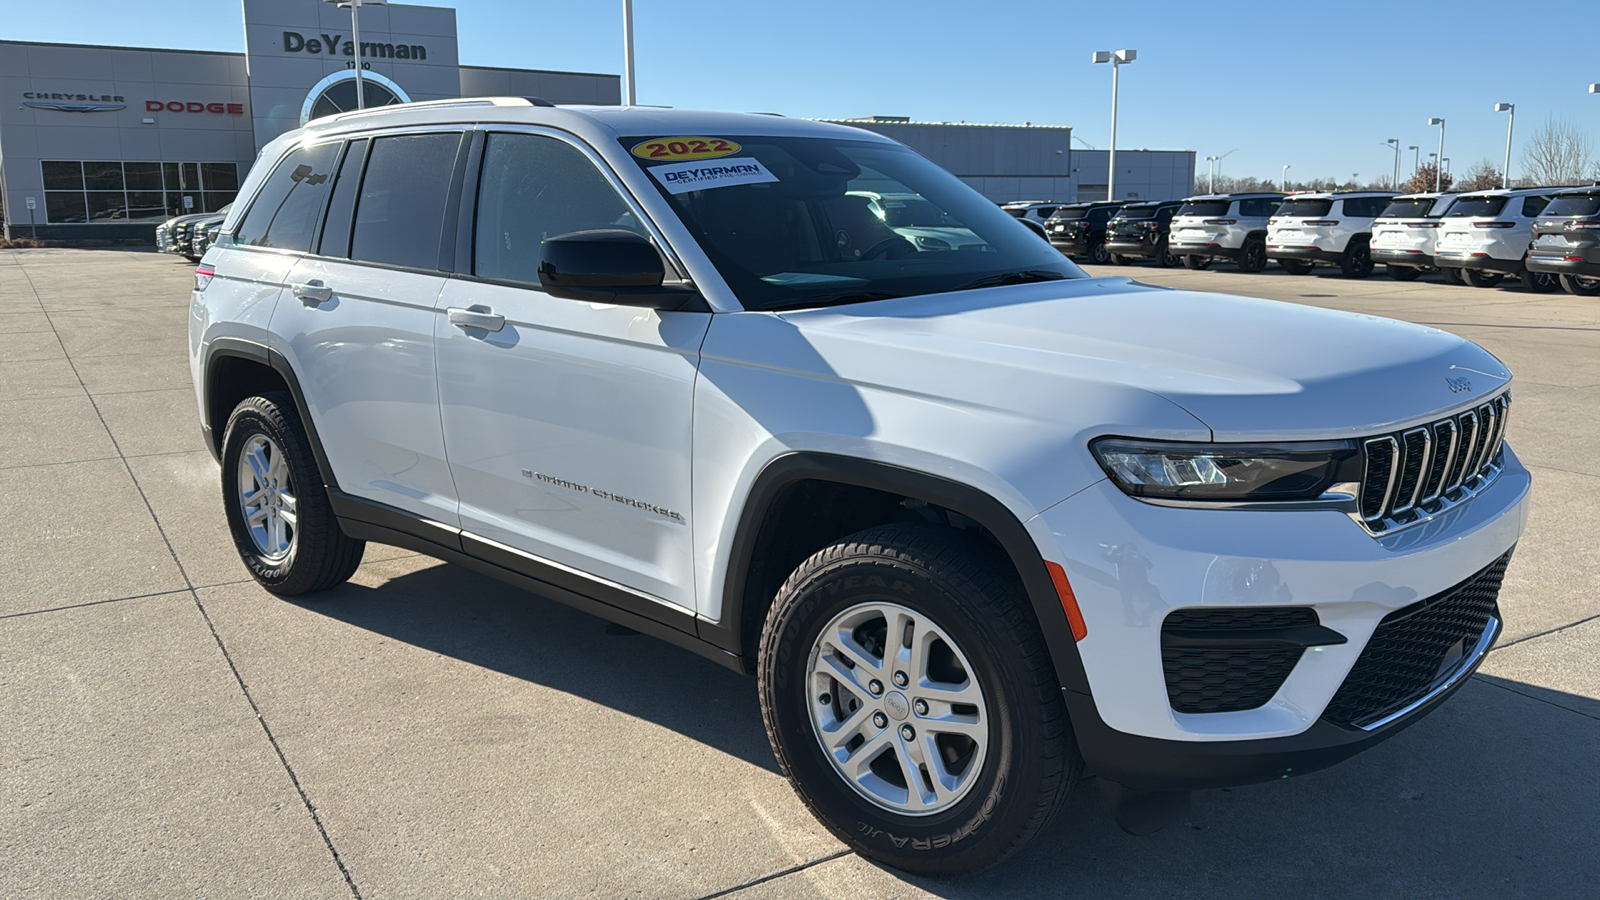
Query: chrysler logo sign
[{"x": 73, "y": 102}]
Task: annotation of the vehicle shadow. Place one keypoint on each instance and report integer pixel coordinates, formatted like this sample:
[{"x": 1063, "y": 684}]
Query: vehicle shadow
[{"x": 1494, "y": 794}]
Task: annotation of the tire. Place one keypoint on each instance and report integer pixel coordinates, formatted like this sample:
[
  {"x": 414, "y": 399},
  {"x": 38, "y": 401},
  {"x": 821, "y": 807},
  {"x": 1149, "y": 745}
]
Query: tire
[
  {"x": 1480, "y": 278},
  {"x": 1253, "y": 255},
  {"x": 308, "y": 552},
  {"x": 1539, "y": 282},
  {"x": 1121, "y": 260},
  {"x": 1450, "y": 275},
  {"x": 1579, "y": 286},
  {"x": 950, "y": 587},
  {"x": 1297, "y": 266},
  {"x": 1402, "y": 273},
  {"x": 1196, "y": 263},
  {"x": 1165, "y": 256},
  {"x": 1099, "y": 255},
  {"x": 1356, "y": 262}
]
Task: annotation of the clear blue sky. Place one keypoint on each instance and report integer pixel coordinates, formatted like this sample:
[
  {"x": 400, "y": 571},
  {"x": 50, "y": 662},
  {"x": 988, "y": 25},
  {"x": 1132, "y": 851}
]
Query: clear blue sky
[{"x": 1318, "y": 85}]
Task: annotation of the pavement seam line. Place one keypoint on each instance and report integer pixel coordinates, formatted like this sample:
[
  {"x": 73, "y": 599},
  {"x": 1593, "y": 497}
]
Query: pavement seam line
[
  {"x": 776, "y": 875},
  {"x": 1539, "y": 699},
  {"x": 1546, "y": 633},
  {"x": 38, "y": 612},
  {"x": 261, "y": 720}
]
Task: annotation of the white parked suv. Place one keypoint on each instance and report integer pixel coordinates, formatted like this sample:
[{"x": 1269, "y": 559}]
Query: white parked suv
[
  {"x": 1331, "y": 228},
  {"x": 979, "y": 524},
  {"x": 1223, "y": 226},
  {"x": 1486, "y": 236},
  {"x": 1405, "y": 235}
]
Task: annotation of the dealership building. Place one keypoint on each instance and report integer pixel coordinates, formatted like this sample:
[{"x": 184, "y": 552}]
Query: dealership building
[{"x": 102, "y": 143}]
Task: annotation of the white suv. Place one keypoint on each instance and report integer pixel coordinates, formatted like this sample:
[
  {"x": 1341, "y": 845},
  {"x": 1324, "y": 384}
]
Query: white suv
[
  {"x": 1405, "y": 234},
  {"x": 1486, "y": 236},
  {"x": 1334, "y": 228},
  {"x": 1223, "y": 226},
  {"x": 975, "y": 535}
]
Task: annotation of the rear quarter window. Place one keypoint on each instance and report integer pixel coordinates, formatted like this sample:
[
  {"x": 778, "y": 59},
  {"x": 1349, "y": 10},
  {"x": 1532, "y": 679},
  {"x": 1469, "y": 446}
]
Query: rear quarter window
[
  {"x": 1533, "y": 206},
  {"x": 285, "y": 210},
  {"x": 1259, "y": 207},
  {"x": 401, "y": 210},
  {"x": 1364, "y": 207}
]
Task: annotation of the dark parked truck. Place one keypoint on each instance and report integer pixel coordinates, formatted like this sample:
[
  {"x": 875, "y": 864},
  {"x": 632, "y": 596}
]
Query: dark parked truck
[
  {"x": 1140, "y": 231},
  {"x": 1566, "y": 241},
  {"x": 1079, "y": 230}
]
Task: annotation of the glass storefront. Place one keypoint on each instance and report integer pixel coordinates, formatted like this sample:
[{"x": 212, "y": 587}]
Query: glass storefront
[{"x": 108, "y": 191}]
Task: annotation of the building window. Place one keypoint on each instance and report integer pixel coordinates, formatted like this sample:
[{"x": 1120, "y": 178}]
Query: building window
[{"x": 108, "y": 191}]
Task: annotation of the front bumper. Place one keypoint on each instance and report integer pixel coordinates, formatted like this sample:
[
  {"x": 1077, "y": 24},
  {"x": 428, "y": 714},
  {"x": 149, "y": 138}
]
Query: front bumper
[{"x": 1130, "y": 564}]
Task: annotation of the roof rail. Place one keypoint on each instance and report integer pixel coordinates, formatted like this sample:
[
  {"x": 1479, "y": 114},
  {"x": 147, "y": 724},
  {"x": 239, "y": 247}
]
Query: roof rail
[{"x": 439, "y": 104}]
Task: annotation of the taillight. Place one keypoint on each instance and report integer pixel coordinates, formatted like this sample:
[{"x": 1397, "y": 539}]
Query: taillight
[
  {"x": 1574, "y": 226},
  {"x": 1494, "y": 224},
  {"x": 1220, "y": 222},
  {"x": 1423, "y": 224},
  {"x": 203, "y": 275},
  {"x": 1320, "y": 222}
]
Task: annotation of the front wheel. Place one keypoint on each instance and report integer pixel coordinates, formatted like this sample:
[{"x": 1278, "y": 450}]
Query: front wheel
[
  {"x": 277, "y": 508},
  {"x": 1480, "y": 278},
  {"x": 1403, "y": 273},
  {"x": 1196, "y": 263},
  {"x": 1451, "y": 275},
  {"x": 1539, "y": 282},
  {"x": 1165, "y": 256},
  {"x": 1580, "y": 286},
  {"x": 1253, "y": 255},
  {"x": 1357, "y": 260},
  {"x": 1296, "y": 266},
  {"x": 1099, "y": 255},
  {"x": 910, "y": 700}
]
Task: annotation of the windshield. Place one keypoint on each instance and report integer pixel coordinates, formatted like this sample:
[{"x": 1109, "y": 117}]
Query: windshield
[
  {"x": 1304, "y": 209},
  {"x": 1574, "y": 205},
  {"x": 1408, "y": 209},
  {"x": 1204, "y": 208},
  {"x": 1476, "y": 206},
  {"x": 792, "y": 222}
]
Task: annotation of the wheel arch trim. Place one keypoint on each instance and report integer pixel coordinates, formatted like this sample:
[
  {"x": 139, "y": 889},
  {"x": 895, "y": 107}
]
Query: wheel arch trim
[{"x": 259, "y": 354}]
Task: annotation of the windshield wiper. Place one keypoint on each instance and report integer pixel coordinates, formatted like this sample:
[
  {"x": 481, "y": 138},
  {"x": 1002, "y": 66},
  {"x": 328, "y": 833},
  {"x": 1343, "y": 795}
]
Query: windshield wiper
[
  {"x": 839, "y": 299},
  {"x": 1026, "y": 276}
]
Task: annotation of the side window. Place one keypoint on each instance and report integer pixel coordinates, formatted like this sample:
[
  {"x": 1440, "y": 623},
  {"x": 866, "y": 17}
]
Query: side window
[
  {"x": 1259, "y": 207},
  {"x": 1366, "y": 207},
  {"x": 401, "y": 210},
  {"x": 1164, "y": 214},
  {"x": 284, "y": 212},
  {"x": 1045, "y": 212},
  {"x": 336, "y": 231},
  {"x": 1533, "y": 206},
  {"x": 534, "y": 188}
]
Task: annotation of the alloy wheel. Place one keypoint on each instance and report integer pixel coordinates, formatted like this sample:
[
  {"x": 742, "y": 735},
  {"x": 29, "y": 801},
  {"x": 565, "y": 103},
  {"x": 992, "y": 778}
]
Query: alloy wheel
[{"x": 266, "y": 497}]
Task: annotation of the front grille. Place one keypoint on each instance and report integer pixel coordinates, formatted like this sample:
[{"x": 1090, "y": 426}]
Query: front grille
[
  {"x": 1417, "y": 648},
  {"x": 1417, "y": 472},
  {"x": 1205, "y": 675}
]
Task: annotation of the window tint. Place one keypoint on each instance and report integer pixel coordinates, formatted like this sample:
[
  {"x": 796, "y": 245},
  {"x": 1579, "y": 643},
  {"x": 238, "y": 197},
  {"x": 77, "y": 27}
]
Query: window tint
[
  {"x": 1136, "y": 212},
  {"x": 284, "y": 213},
  {"x": 1365, "y": 207},
  {"x": 1533, "y": 206},
  {"x": 534, "y": 188},
  {"x": 1260, "y": 206},
  {"x": 1204, "y": 208},
  {"x": 1305, "y": 208},
  {"x": 1465, "y": 207},
  {"x": 400, "y": 214},
  {"x": 1102, "y": 215},
  {"x": 1070, "y": 213},
  {"x": 336, "y": 233},
  {"x": 1574, "y": 205}
]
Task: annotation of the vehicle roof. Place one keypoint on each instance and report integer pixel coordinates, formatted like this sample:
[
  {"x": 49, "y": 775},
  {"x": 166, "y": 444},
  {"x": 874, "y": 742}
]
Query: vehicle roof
[
  {"x": 1513, "y": 192},
  {"x": 1235, "y": 196},
  {"x": 617, "y": 121},
  {"x": 1031, "y": 203},
  {"x": 1337, "y": 195},
  {"x": 1591, "y": 189},
  {"x": 1082, "y": 204},
  {"x": 1425, "y": 195}
]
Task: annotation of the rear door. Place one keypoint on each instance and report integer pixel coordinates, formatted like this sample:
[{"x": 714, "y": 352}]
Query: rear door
[
  {"x": 356, "y": 320},
  {"x": 567, "y": 423}
]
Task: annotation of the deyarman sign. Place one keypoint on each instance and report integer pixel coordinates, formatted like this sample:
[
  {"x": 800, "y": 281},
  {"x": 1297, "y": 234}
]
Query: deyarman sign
[{"x": 336, "y": 45}]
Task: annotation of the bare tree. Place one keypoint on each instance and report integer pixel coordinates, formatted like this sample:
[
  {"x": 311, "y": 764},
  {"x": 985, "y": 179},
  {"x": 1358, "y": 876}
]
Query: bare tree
[
  {"x": 1558, "y": 153},
  {"x": 1422, "y": 182},
  {"x": 1484, "y": 176}
]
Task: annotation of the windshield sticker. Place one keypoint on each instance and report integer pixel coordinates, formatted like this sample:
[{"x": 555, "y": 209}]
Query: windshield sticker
[
  {"x": 680, "y": 178},
  {"x": 677, "y": 149}
]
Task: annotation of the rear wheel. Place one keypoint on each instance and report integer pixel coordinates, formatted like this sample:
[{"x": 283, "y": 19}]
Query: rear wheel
[
  {"x": 1402, "y": 273},
  {"x": 1357, "y": 259},
  {"x": 1539, "y": 282},
  {"x": 1253, "y": 255},
  {"x": 1481, "y": 278},
  {"x": 1196, "y": 262},
  {"x": 1580, "y": 286},
  {"x": 1450, "y": 275},
  {"x": 911, "y": 702},
  {"x": 1296, "y": 266},
  {"x": 1165, "y": 256},
  {"x": 1099, "y": 255}
]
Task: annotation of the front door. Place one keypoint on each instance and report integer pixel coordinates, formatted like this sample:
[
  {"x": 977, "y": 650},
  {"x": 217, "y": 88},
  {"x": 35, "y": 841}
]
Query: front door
[{"x": 567, "y": 424}]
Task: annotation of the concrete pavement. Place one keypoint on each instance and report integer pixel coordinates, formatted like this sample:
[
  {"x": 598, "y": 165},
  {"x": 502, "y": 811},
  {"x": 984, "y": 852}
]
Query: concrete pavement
[{"x": 169, "y": 729}]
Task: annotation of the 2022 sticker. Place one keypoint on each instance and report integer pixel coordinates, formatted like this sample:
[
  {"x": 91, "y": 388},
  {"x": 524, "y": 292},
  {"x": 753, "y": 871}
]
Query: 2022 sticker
[{"x": 682, "y": 149}]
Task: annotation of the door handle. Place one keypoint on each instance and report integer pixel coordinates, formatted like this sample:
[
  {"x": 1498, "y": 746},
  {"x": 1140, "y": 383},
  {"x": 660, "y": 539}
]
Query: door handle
[
  {"x": 312, "y": 292},
  {"x": 477, "y": 317}
]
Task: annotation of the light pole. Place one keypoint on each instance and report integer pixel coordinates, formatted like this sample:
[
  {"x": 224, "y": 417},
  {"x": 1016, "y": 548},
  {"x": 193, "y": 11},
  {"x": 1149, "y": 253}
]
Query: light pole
[
  {"x": 1505, "y": 176},
  {"x": 1444, "y": 167},
  {"x": 355, "y": 40},
  {"x": 1395, "y": 181},
  {"x": 1117, "y": 59},
  {"x": 1284, "y": 181},
  {"x": 628, "y": 84},
  {"x": 1416, "y": 159},
  {"x": 1211, "y": 167},
  {"x": 1438, "y": 174}
]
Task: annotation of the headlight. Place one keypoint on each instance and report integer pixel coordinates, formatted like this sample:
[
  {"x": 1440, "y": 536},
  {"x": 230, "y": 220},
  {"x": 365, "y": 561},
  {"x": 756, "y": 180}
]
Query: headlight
[{"x": 1248, "y": 472}]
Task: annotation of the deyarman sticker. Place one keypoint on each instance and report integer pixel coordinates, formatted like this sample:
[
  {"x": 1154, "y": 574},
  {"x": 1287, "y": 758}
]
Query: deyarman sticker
[{"x": 698, "y": 176}]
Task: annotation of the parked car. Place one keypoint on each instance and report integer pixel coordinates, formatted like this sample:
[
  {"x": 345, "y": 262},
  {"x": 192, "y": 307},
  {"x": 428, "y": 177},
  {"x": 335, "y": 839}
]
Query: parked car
[
  {"x": 1079, "y": 230},
  {"x": 205, "y": 233},
  {"x": 925, "y": 225},
  {"x": 1566, "y": 241},
  {"x": 1486, "y": 234},
  {"x": 1330, "y": 228},
  {"x": 1141, "y": 231},
  {"x": 979, "y": 525},
  {"x": 180, "y": 232},
  {"x": 1038, "y": 211},
  {"x": 1405, "y": 234},
  {"x": 1224, "y": 226}
]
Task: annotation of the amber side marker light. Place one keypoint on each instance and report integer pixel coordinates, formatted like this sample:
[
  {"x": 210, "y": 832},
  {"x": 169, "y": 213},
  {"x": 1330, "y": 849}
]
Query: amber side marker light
[{"x": 1069, "y": 601}]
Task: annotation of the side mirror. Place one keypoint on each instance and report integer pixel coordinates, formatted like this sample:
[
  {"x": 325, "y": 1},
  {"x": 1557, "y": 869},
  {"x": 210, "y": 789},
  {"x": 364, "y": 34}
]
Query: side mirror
[{"x": 608, "y": 265}]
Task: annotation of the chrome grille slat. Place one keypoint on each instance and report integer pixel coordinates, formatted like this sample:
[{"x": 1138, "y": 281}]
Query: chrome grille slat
[{"x": 1412, "y": 476}]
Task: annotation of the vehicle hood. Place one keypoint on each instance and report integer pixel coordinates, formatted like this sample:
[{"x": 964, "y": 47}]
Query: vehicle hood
[{"x": 1249, "y": 369}]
